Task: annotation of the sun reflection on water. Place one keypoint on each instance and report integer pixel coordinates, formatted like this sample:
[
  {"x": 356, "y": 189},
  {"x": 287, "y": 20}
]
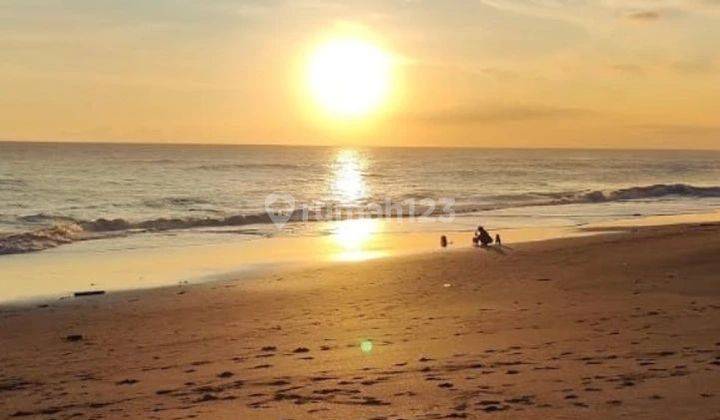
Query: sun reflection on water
[
  {"x": 348, "y": 184},
  {"x": 354, "y": 239}
]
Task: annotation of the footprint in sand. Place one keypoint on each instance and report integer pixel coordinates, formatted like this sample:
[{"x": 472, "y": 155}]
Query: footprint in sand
[
  {"x": 262, "y": 366},
  {"x": 279, "y": 382},
  {"x": 265, "y": 355},
  {"x": 127, "y": 382}
]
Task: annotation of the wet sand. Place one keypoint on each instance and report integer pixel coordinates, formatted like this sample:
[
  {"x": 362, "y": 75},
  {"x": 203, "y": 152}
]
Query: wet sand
[
  {"x": 625, "y": 324},
  {"x": 145, "y": 261}
]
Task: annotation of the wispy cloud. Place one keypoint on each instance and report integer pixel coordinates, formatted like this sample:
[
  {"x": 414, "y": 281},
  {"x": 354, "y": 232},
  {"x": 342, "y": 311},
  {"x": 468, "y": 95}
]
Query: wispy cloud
[
  {"x": 680, "y": 130},
  {"x": 495, "y": 114},
  {"x": 679, "y": 135},
  {"x": 648, "y": 15},
  {"x": 641, "y": 10},
  {"x": 695, "y": 67}
]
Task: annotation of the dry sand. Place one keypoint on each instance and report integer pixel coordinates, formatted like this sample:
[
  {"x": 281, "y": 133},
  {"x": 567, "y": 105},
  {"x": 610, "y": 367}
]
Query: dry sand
[{"x": 618, "y": 325}]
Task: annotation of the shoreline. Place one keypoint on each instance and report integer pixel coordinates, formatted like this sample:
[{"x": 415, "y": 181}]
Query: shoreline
[
  {"x": 128, "y": 264},
  {"x": 593, "y": 326},
  {"x": 227, "y": 261}
]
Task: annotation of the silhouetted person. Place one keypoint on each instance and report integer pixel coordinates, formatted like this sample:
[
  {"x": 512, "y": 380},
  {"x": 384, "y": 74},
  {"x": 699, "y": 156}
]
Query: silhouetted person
[
  {"x": 443, "y": 241},
  {"x": 497, "y": 240},
  {"x": 482, "y": 236}
]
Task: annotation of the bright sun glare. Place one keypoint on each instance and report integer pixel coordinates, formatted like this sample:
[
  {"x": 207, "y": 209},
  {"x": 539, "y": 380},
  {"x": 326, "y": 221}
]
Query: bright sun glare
[
  {"x": 349, "y": 77},
  {"x": 348, "y": 182}
]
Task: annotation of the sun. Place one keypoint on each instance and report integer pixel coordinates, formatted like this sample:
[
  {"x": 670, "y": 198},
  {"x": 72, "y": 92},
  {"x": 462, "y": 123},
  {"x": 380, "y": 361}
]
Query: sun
[{"x": 349, "y": 77}]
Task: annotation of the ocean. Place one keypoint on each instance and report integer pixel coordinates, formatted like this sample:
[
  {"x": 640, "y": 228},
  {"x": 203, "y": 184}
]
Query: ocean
[{"x": 54, "y": 194}]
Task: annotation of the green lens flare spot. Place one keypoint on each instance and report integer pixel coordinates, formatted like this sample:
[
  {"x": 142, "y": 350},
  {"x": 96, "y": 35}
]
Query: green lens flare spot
[{"x": 366, "y": 346}]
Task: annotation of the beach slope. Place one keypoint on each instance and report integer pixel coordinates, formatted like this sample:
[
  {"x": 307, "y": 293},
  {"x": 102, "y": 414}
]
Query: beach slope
[{"x": 625, "y": 324}]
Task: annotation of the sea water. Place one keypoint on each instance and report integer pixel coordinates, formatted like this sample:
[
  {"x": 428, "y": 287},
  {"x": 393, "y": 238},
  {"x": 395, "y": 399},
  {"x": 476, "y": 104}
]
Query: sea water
[{"x": 78, "y": 200}]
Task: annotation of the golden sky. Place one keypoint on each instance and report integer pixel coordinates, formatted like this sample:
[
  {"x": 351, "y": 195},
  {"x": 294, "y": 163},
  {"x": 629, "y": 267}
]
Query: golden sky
[{"x": 496, "y": 73}]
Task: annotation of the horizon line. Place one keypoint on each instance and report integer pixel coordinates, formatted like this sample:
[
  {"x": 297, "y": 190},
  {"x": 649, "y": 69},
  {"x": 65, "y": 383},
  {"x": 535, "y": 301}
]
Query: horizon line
[{"x": 192, "y": 143}]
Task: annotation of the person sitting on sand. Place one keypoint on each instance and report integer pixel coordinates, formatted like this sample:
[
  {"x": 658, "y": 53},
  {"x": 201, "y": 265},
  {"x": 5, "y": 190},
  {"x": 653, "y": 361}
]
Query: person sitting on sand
[{"x": 482, "y": 236}]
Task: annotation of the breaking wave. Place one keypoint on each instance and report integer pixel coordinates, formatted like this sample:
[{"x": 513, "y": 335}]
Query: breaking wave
[
  {"x": 40, "y": 239},
  {"x": 66, "y": 230},
  {"x": 647, "y": 192},
  {"x": 651, "y": 192}
]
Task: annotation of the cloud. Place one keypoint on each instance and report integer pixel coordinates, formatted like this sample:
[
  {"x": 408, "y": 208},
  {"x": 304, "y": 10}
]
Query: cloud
[
  {"x": 653, "y": 10},
  {"x": 533, "y": 5},
  {"x": 680, "y": 130},
  {"x": 565, "y": 10},
  {"x": 649, "y": 15},
  {"x": 695, "y": 67},
  {"x": 494, "y": 114},
  {"x": 588, "y": 12}
]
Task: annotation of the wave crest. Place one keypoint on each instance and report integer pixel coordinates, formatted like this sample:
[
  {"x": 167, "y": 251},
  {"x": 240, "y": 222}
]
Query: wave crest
[
  {"x": 40, "y": 239},
  {"x": 639, "y": 193},
  {"x": 66, "y": 230}
]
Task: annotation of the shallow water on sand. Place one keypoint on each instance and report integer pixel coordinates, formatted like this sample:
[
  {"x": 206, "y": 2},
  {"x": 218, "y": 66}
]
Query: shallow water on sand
[{"x": 133, "y": 262}]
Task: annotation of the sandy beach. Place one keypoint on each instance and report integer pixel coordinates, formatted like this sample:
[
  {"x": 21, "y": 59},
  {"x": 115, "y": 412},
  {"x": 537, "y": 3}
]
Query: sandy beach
[
  {"x": 618, "y": 325},
  {"x": 380, "y": 210}
]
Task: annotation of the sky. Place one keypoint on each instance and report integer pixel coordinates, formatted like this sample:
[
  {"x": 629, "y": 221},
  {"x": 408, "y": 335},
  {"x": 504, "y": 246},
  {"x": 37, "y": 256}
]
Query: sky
[{"x": 486, "y": 73}]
